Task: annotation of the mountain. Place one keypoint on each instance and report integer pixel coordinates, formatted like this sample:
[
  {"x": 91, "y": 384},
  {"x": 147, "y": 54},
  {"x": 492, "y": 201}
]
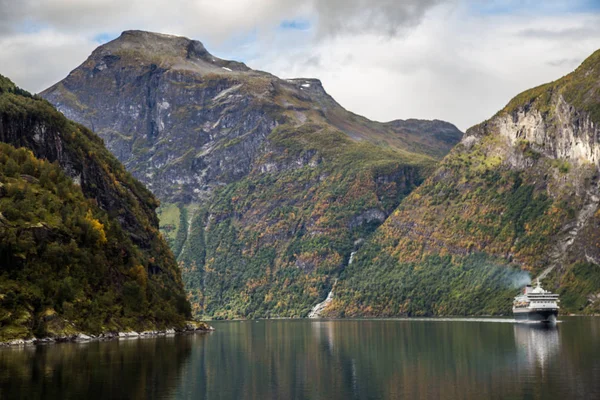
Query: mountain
[
  {"x": 518, "y": 197},
  {"x": 267, "y": 185},
  {"x": 80, "y": 249}
]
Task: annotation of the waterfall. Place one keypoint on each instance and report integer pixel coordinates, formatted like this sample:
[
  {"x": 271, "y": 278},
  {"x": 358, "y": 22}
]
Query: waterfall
[
  {"x": 351, "y": 257},
  {"x": 317, "y": 309}
]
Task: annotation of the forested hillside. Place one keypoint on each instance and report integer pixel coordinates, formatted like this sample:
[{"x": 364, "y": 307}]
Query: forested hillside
[
  {"x": 80, "y": 249},
  {"x": 518, "y": 196}
]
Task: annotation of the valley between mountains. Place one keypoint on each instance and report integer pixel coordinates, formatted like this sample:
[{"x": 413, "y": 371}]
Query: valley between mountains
[
  {"x": 273, "y": 196},
  {"x": 266, "y": 185}
]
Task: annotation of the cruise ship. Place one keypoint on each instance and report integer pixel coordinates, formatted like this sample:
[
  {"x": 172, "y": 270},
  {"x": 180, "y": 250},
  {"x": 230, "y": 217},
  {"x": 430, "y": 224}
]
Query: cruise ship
[{"x": 536, "y": 304}]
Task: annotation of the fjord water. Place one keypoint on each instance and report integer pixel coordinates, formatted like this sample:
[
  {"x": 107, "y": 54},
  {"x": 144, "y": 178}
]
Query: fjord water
[{"x": 307, "y": 359}]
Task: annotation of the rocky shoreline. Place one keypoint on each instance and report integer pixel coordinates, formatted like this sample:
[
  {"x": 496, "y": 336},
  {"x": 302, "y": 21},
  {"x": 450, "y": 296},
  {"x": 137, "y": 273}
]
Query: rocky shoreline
[{"x": 83, "y": 337}]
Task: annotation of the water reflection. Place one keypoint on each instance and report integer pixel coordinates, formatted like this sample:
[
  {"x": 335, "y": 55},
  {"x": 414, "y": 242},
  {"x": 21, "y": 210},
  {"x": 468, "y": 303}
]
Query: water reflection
[
  {"x": 390, "y": 359},
  {"x": 350, "y": 359},
  {"x": 324, "y": 331},
  {"x": 538, "y": 343},
  {"x": 126, "y": 369}
]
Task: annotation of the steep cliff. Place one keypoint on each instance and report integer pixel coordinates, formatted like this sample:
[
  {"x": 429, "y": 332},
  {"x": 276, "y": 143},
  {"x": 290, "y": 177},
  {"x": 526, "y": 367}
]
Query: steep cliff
[
  {"x": 519, "y": 193},
  {"x": 267, "y": 184},
  {"x": 80, "y": 248}
]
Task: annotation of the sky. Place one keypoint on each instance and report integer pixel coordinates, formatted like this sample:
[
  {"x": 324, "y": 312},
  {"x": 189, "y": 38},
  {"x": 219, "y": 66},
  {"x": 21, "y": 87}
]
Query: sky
[{"x": 454, "y": 60}]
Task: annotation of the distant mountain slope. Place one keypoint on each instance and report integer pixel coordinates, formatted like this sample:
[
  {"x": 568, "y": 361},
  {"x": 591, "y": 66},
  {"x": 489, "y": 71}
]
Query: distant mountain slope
[
  {"x": 80, "y": 248},
  {"x": 520, "y": 190},
  {"x": 267, "y": 184}
]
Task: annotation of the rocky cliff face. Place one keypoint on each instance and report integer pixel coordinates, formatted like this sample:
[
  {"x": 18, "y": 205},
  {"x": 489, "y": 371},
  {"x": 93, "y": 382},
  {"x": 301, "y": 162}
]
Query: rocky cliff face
[
  {"x": 520, "y": 190},
  {"x": 266, "y": 183},
  {"x": 79, "y": 239},
  {"x": 170, "y": 111},
  {"x": 184, "y": 121}
]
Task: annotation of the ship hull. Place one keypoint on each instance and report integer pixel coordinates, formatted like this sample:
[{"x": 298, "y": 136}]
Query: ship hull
[{"x": 536, "y": 315}]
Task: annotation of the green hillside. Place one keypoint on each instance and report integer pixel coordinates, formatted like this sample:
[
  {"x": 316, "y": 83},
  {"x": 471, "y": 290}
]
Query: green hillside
[
  {"x": 80, "y": 249},
  {"x": 519, "y": 195}
]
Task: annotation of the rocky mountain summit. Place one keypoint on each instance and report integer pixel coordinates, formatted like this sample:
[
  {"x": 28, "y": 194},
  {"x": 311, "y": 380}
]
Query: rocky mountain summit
[
  {"x": 519, "y": 193},
  {"x": 267, "y": 185},
  {"x": 184, "y": 121}
]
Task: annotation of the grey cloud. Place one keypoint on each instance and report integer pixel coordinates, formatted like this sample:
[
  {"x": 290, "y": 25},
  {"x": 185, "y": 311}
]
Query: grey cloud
[
  {"x": 314, "y": 61},
  {"x": 331, "y": 17},
  {"x": 10, "y": 15},
  {"x": 388, "y": 17},
  {"x": 64, "y": 15},
  {"x": 36, "y": 61}
]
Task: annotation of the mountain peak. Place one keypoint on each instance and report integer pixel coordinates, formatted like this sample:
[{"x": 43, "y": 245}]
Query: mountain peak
[
  {"x": 135, "y": 47},
  {"x": 210, "y": 132},
  {"x": 152, "y": 44},
  {"x": 137, "y": 33},
  {"x": 148, "y": 39}
]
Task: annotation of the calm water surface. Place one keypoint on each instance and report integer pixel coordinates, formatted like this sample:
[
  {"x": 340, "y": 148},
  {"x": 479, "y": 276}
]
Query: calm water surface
[{"x": 348, "y": 359}]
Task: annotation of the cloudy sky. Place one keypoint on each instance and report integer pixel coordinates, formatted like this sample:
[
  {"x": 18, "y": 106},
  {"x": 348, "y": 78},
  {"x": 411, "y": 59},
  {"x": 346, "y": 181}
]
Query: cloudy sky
[{"x": 456, "y": 60}]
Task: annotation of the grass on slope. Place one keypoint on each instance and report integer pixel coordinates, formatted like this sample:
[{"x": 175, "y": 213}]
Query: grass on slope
[{"x": 272, "y": 243}]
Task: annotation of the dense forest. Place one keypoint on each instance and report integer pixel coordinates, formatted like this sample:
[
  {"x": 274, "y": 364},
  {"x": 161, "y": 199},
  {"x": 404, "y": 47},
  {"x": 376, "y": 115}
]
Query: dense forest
[
  {"x": 79, "y": 245},
  {"x": 272, "y": 244}
]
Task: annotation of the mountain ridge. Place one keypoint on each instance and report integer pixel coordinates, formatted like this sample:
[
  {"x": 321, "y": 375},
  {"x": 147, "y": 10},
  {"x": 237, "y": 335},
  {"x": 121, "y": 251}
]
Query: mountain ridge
[{"x": 267, "y": 168}]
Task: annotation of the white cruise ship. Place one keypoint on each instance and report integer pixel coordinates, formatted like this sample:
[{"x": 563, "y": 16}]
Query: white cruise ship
[{"x": 536, "y": 304}]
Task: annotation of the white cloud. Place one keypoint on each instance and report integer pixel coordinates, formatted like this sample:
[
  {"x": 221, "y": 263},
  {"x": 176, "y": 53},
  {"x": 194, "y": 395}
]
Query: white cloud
[
  {"x": 37, "y": 60},
  {"x": 384, "y": 59},
  {"x": 453, "y": 66}
]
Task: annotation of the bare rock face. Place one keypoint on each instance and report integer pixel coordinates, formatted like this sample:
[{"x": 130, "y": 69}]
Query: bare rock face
[
  {"x": 273, "y": 180},
  {"x": 172, "y": 113},
  {"x": 184, "y": 121},
  {"x": 568, "y": 134}
]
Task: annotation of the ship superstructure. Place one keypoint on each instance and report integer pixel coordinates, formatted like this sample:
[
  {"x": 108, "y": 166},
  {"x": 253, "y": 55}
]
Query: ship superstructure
[{"x": 536, "y": 304}]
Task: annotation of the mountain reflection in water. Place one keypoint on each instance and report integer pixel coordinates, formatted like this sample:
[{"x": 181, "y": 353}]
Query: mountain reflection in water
[
  {"x": 317, "y": 359},
  {"x": 123, "y": 369}
]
